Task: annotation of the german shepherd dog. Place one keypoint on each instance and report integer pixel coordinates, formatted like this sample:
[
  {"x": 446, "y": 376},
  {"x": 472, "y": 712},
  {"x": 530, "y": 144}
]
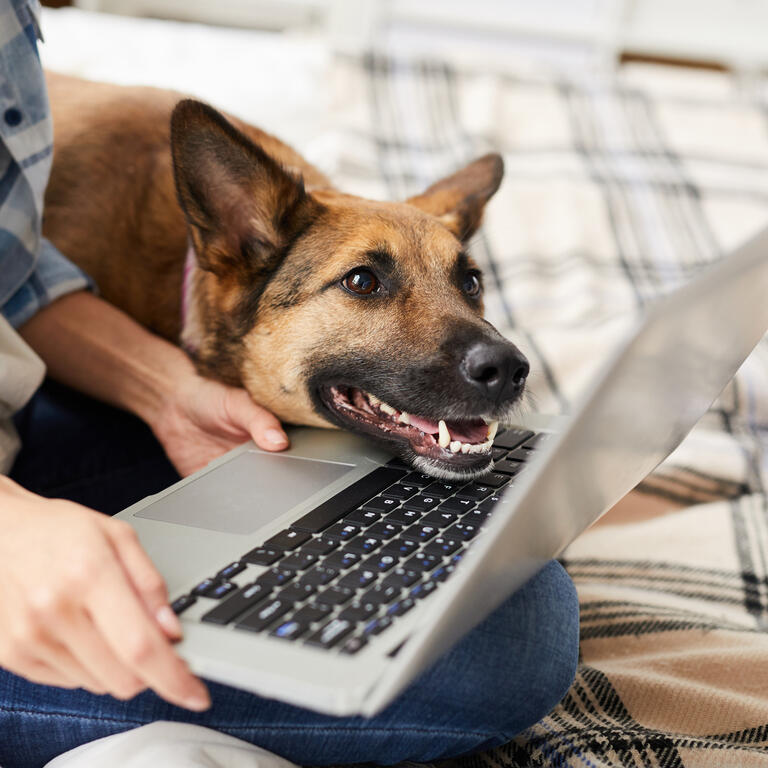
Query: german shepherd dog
[{"x": 331, "y": 310}]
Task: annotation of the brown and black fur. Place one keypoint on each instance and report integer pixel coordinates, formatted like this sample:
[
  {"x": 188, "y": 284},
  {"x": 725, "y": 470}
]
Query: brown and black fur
[{"x": 138, "y": 173}]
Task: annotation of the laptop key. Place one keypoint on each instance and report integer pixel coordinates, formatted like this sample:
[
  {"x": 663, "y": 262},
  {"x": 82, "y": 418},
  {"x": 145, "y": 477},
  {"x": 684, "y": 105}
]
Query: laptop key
[
  {"x": 240, "y": 602},
  {"x": 204, "y": 586},
  {"x": 457, "y": 505},
  {"x": 476, "y": 491},
  {"x": 401, "y": 607},
  {"x": 420, "y": 532},
  {"x": 222, "y": 589},
  {"x": 231, "y": 570},
  {"x": 442, "y": 546},
  {"x": 399, "y": 547},
  {"x": 421, "y": 503},
  {"x": 381, "y": 563},
  {"x": 423, "y": 562},
  {"x": 341, "y": 559},
  {"x": 494, "y": 479},
  {"x": 180, "y": 604},
  {"x": 309, "y": 614},
  {"x": 423, "y": 589},
  {"x": 442, "y": 573},
  {"x": 319, "y": 575},
  {"x": 262, "y": 556},
  {"x": 535, "y": 442},
  {"x": 342, "y": 531},
  {"x": 353, "y": 644},
  {"x": 440, "y": 518},
  {"x": 348, "y": 499},
  {"x": 380, "y": 594},
  {"x": 334, "y": 596},
  {"x": 498, "y": 453},
  {"x": 419, "y": 479},
  {"x": 297, "y": 592},
  {"x": 384, "y": 530},
  {"x": 363, "y": 517},
  {"x": 382, "y": 504},
  {"x": 320, "y": 546},
  {"x": 400, "y": 491},
  {"x": 462, "y": 530},
  {"x": 298, "y": 561},
  {"x": 286, "y": 540},
  {"x": 402, "y": 516},
  {"x": 289, "y": 630},
  {"x": 507, "y": 467},
  {"x": 442, "y": 490},
  {"x": 261, "y": 617},
  {"x": 401, "y": 577},
  {"x": 334, "y": 631},
  {"x": 357, "y": 578},
  {"x": 511, "y": 438},
  {"x": 377, "y": 626},
  {"x": 363, "y": 546},
  {"x": 275, "y": 577},
  {"x": 358, "y": 612}
]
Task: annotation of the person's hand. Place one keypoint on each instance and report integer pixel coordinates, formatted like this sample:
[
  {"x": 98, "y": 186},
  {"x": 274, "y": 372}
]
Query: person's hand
[
  {"x": 81, "y": 604},
  {"x": 96, "y": 348},
  {"x": 202, "y": 419}
]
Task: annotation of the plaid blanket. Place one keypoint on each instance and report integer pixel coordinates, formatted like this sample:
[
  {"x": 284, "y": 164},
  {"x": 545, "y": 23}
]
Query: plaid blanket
[{"x": 617, "y": 189}]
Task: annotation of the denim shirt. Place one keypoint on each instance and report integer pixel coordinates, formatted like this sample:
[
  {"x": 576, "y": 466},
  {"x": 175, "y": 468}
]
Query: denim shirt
[{"x": 32, "y": 271}]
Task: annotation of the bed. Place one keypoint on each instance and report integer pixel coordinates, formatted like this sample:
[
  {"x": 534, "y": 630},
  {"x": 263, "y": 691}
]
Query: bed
[{"x": 620, "y": 184}]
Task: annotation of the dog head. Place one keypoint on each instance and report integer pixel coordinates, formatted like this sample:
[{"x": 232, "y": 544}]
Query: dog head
[{"x": 334, "y": 310}]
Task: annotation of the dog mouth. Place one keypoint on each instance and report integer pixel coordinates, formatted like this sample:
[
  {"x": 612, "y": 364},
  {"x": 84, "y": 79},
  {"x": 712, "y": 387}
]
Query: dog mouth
[{"x": 447, "y": 448}]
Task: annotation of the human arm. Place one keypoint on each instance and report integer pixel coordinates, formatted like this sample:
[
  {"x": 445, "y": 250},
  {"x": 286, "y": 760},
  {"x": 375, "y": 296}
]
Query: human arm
[{"x": 94, "y": 347}]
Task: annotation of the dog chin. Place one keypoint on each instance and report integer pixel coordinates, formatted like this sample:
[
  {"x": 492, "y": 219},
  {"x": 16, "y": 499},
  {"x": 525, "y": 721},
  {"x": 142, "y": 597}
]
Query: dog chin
[{"x": 443, "y": 471}]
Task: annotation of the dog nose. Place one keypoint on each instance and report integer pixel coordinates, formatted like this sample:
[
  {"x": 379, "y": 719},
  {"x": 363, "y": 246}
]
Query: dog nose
[{"x": 498, "y": 369}]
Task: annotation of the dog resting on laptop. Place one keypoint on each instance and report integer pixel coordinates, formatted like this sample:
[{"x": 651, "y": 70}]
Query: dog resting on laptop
[{"x": 331, "y": 310}]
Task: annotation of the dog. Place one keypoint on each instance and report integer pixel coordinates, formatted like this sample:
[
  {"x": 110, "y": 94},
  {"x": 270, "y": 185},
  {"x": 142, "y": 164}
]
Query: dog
[{"x": 331, "y": 310}]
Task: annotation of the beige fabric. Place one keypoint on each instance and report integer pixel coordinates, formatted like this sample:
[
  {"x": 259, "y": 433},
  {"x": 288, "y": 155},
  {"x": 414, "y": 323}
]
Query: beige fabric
[{"x": 21, "y": 372}]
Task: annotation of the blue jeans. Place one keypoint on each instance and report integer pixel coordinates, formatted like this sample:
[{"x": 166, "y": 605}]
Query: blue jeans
[{"x": 499, "y": 679}]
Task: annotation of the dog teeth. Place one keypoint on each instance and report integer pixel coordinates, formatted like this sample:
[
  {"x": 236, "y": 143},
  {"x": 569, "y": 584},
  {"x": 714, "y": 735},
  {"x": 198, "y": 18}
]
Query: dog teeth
[
  {"x": 493, "y": 428},
  {"x": 465, "y": 447},
  {"x": 455, "y": 446},
  {"x": 388, "y": 409},
  {"x": 444, "y": 436},
  {"x": 372, "y": 399},
  {"x": 404, "y": 418}
]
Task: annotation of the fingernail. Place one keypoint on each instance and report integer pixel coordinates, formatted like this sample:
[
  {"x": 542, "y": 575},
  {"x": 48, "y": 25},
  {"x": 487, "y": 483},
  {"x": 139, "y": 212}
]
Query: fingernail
[
  {"x": 169, "y": 621},
  {"x": 276, "y": 437},
  {"x": 198, "y": 702}
]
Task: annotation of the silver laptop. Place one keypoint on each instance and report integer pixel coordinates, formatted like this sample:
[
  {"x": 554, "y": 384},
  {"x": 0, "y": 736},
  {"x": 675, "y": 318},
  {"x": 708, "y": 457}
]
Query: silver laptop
[{"x": 330, "y": 576}]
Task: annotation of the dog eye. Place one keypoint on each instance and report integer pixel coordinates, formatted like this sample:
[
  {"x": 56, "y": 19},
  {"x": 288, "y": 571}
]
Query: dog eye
[
  {"x": 472, "y": 285},
  {"x": 361, "y": 281}
]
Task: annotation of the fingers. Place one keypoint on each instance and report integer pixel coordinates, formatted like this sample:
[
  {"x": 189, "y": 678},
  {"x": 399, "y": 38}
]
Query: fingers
[
  {"x": 262, "y": 425},
  {"x": 91, "y": 657},
  {"x": 138, "y": 643},
  {"x": 144, "y": 577}
]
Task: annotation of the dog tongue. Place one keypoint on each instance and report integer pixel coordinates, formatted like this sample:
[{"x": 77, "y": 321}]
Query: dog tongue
[
  {"x": 464, "y": 431},
  {"x": 425, "y": 425}
]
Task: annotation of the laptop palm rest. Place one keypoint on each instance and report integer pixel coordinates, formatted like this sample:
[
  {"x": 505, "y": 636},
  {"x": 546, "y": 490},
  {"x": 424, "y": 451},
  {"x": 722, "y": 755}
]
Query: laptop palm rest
[{"x": 250, "y": 490}]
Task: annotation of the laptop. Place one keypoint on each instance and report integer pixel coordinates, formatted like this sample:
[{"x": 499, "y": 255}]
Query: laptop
[{"x": 330, "y": 576}]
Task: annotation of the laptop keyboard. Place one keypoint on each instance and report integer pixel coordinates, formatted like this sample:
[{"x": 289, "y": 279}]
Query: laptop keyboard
[{"x": 347, "y": 570}]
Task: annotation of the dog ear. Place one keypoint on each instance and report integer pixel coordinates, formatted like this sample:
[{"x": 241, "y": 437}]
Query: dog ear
[
  {"x": 458, "y": 200},
  {"x": 242, "y": 207}
]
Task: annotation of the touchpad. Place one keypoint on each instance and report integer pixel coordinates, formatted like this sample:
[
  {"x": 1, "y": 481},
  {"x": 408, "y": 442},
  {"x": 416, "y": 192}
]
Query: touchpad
[{"x": 245, "y": 493}]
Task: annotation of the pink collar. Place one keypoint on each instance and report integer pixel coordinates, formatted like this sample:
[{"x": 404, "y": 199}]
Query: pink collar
[{"x": 186, "y": 291}]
